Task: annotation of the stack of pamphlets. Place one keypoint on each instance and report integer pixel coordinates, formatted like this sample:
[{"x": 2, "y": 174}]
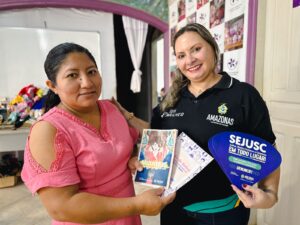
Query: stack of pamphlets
[{"x": 169, "y": 160}]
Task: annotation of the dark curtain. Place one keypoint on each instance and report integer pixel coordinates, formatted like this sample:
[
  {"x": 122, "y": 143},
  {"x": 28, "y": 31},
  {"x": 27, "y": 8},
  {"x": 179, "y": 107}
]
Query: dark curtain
[{"x": 138, "y": 103}]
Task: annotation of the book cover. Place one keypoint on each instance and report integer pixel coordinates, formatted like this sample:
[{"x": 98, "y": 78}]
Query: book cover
[
  {"x": 156, "y": 153},
  {"x": 189, "y": 160}
]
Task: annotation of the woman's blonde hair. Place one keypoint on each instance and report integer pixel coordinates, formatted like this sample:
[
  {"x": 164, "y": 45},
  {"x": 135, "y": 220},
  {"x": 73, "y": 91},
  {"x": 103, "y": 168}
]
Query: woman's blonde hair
[{"x": 180, "y": 81}]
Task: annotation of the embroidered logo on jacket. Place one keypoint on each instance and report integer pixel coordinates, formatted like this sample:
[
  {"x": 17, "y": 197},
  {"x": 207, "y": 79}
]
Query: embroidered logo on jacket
[
  {"x": 220, "y": 118},
  {"x": 222, "y": 109},
  {"x": 172, "y": 113}
]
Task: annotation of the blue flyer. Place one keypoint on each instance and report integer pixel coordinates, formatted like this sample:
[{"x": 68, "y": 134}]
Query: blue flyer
[{"x": 244, "y": 158}]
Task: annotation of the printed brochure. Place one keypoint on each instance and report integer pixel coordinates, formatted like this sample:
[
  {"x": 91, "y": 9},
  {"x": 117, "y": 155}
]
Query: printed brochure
[
  {"x": 189, "y": 160},
  {"x": 156, "y": 154}
]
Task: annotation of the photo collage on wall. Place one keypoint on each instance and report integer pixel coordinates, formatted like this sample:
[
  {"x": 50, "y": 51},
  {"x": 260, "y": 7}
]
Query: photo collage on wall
[{"x": 227, "y": 20}]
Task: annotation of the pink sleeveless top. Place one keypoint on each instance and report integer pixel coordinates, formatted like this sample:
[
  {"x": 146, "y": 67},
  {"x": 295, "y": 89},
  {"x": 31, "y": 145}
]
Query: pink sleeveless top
[{"x": 95, "y": 160}]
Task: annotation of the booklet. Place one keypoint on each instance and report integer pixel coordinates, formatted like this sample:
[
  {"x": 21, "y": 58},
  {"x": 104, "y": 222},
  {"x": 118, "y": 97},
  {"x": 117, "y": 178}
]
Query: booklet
[
  {"x": 189, "y": 160},
  {"x": 156, "y": 153},
  {"x": 244, "y": 158}
]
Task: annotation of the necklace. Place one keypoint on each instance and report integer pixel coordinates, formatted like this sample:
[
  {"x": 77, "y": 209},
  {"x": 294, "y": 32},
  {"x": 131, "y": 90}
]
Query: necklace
[{"x": 195, "y": 91}]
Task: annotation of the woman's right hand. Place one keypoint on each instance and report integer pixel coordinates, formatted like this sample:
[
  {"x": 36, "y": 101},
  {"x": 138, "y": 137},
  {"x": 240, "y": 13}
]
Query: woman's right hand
[
  {"x": 151, "y": 203},
  {"x": 132, "y": 120},
  {"x": 118, "y": 105}
]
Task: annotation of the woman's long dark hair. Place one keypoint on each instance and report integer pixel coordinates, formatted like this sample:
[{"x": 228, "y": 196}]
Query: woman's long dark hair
[{"x": 54, "y": 60}]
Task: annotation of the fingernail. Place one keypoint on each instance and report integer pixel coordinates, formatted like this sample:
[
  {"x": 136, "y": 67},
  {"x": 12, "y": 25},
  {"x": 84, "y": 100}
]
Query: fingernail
[{"x": 244, "y": 185}]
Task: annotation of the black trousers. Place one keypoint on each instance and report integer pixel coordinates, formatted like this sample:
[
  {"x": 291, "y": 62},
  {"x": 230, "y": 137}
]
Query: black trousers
[{"x": 177, "y": 216}]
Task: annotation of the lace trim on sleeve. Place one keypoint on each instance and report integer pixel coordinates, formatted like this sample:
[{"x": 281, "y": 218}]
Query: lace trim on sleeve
[{"x": 59, "y": 150}]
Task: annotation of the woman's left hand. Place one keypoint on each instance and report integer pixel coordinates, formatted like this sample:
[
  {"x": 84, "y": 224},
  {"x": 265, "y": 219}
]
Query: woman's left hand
[
  {"x": 253, "y": 197},
  {"x": 134, "y": 165}
]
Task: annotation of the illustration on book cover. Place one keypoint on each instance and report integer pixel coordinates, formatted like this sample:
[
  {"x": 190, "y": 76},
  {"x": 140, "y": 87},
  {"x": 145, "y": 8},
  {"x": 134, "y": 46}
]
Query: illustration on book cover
[{"x": 156, "y": 155}]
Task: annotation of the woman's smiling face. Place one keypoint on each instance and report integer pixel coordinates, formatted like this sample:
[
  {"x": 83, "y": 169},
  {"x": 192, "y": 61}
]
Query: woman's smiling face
[
  {"x": 194, "y": 56},
  {"x": 78, "y": 82}
]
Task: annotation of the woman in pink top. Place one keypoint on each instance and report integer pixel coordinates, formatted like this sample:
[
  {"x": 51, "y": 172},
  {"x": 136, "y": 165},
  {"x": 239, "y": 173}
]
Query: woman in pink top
[{"x": 76, "y": 156}]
